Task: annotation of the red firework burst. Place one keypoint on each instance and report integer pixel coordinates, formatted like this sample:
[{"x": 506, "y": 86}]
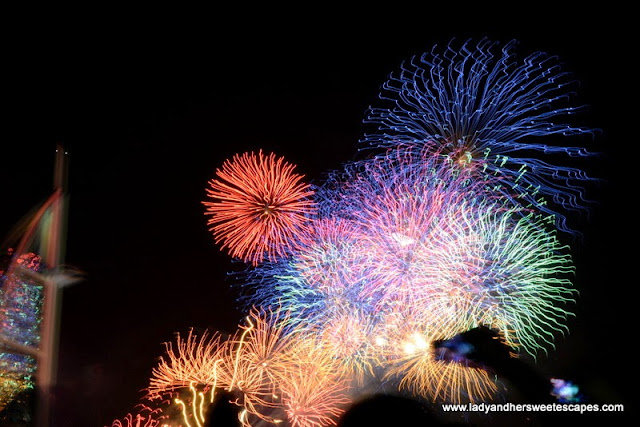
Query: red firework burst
[{"x": 260, "y": 206}]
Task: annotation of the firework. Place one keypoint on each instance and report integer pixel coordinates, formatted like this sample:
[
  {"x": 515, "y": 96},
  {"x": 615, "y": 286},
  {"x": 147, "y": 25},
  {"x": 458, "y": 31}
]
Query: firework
[
  {"x": 138, "y": 421},
  {"x": 407, "y": 346},
  {"x": 347, "y": 335},
  {"x": 438, "y": 241},
  {"x": 195, "y": 360},
  {"x": 450, "y": 228},
  {"x": 482, "y": 111},
  {"x": 194, "y": 408},
  {"x": 145, "y": 417},
  {"x": 259, "y": 206},
  {"x": 314, "y": 392},
  {"x": 397, "y": 202},
  {"x": 513, "y": 272},
  {"x": 281, "y": 286},
  {"x": 327, "y": 311},
  {"x": 333, "y": 256},
  {"x": 256, "y": 359},
  {"x": 478, "y": 264},
  {"x": 371, "y": 249}
]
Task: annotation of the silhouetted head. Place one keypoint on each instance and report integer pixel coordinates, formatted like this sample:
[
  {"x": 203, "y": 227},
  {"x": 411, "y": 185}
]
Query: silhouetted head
[
  {"x": 387, "y": 411},
  {"x": 223, "y": 413}
]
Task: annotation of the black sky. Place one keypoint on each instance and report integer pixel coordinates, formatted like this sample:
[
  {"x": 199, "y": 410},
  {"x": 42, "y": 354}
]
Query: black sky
[{"x": 148, "y": 111}]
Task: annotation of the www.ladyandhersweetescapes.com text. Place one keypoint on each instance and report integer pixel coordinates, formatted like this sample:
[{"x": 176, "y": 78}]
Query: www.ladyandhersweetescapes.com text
[{"x": 532, "y": 407}]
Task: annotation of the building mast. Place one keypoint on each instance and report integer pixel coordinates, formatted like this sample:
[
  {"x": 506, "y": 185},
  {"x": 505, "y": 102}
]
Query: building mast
[
  {"x": 47, "y": 230},
  {"x": 53, "y": 246}
]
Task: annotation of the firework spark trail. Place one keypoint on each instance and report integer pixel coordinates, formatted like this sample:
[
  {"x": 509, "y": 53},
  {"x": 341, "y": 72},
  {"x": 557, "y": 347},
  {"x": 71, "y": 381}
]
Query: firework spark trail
[
  {"x": 260, "y": 206},
  {"x": 193, "y": 409},
  {"x": 482, "y": 110}
]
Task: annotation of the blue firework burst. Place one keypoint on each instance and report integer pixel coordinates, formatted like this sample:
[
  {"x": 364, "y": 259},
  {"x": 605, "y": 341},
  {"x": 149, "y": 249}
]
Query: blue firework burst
[{"x": 492, "y": 113}]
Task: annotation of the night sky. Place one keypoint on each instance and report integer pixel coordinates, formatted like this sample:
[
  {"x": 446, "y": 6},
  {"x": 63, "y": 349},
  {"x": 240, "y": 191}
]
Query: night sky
[{"x": 148, "y": 112}]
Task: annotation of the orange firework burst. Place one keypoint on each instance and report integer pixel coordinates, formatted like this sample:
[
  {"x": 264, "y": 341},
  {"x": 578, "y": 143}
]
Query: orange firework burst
[
  {"x": 441, "y": 380},
  {"x": 195, "y": 360},
  {"x": 260, "y": 206},
  {"x": 315, "y": 392},
  {"x": 256, "y": 359}
]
